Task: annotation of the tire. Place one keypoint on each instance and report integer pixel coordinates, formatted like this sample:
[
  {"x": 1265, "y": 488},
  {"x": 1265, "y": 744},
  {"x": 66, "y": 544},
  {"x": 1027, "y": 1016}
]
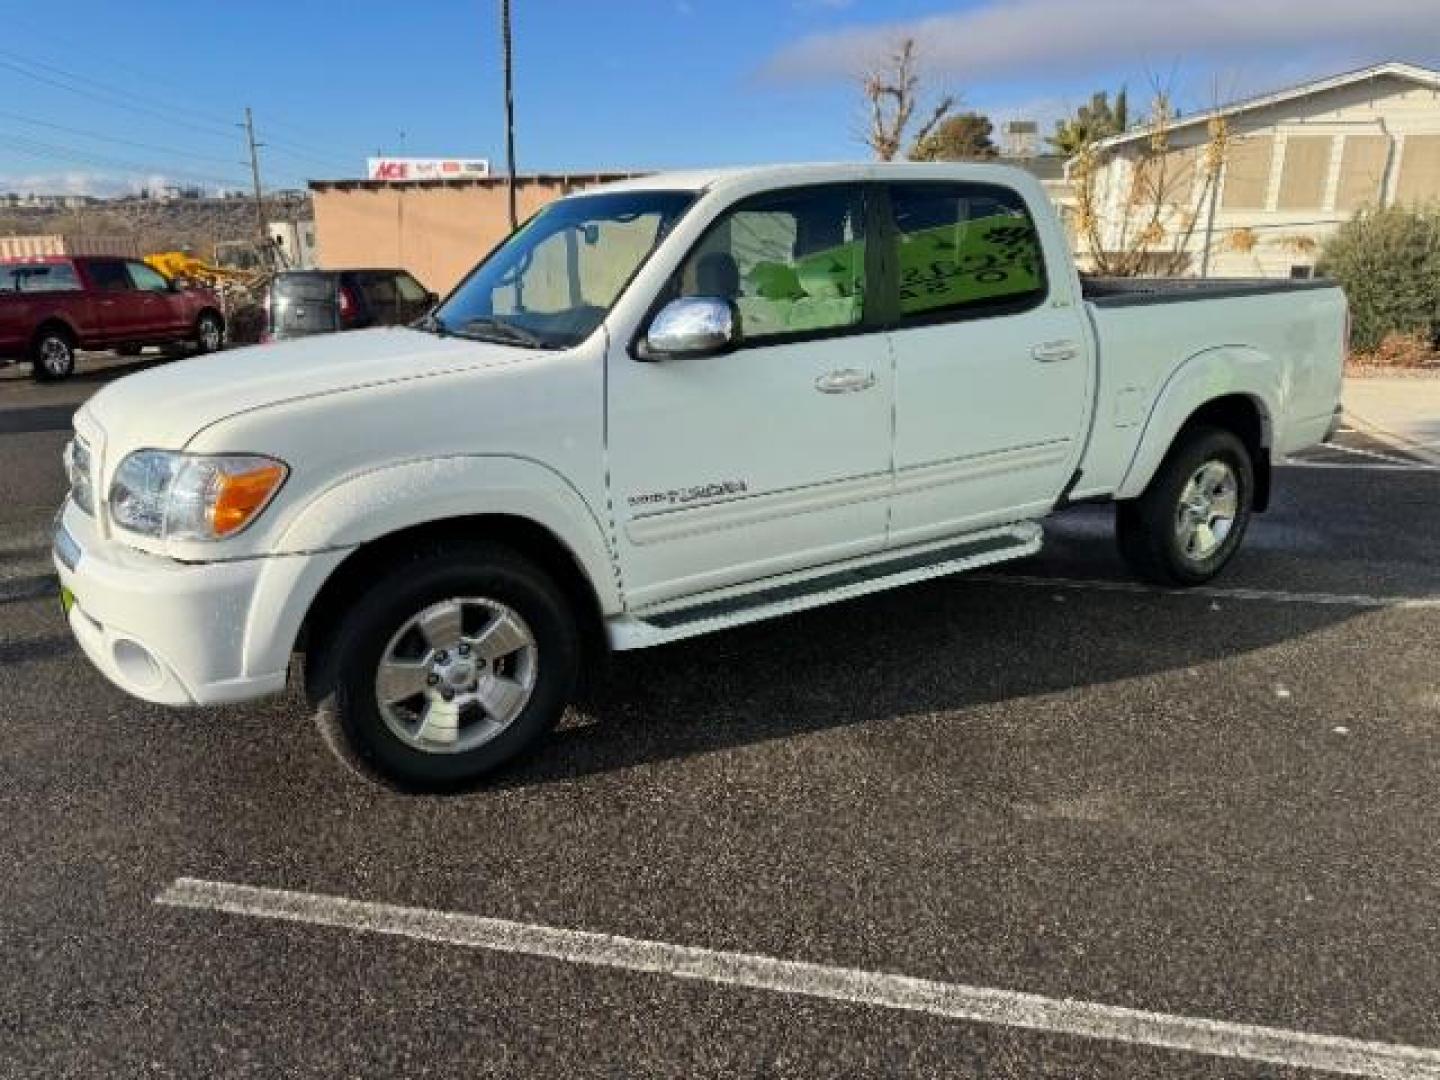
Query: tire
[
  {"x": 1210, "y": 471},
  {"x": 52, "y": 354},
  {"x": 421, "y": 741},
  {"x": 130, "y": 350},
  {"x": 209, "y": 333}
]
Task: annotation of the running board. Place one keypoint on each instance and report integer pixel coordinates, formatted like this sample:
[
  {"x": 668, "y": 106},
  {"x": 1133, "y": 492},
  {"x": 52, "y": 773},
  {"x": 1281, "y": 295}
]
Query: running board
[{"x": 798, "y": 592}]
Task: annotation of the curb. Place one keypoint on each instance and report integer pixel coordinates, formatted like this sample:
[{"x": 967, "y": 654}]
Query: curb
[{"x": 1399, "y": 442}]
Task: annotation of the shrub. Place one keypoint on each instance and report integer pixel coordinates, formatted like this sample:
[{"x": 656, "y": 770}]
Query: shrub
[
  {"x": 1388, "y": 260},
  {"x": 1413, "y": 352}
]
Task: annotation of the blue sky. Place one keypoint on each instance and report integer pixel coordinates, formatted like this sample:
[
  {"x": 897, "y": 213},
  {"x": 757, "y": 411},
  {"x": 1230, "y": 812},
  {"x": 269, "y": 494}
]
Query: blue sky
[{"x": 602, "y": 84}]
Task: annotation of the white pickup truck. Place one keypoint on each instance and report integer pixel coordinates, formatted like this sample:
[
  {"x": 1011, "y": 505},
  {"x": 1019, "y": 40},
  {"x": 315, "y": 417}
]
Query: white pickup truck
[{"x": 661, "y": 408}]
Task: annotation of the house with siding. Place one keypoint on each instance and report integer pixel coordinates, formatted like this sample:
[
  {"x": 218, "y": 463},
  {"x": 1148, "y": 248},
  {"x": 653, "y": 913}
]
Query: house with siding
[{"x": 1296, "y": 164}]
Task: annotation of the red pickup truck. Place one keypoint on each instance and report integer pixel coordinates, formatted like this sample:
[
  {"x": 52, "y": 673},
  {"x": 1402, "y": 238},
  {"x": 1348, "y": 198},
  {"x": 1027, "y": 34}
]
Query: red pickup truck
[{"x": 52, "y": 305}]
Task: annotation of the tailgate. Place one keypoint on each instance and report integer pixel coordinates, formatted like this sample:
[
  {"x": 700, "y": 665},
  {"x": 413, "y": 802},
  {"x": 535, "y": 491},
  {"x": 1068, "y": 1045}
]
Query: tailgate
[{"x": 303, "y": 304}]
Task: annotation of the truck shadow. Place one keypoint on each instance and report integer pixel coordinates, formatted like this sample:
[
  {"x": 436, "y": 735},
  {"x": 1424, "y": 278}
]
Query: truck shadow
[{"x": 934, "y": 649}]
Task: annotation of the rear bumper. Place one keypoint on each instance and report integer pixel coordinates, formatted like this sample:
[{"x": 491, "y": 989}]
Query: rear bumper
[{"x": 180, "y": 633}]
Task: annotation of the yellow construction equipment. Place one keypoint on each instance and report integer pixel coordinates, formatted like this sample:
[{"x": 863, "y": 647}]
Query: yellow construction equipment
[{"x": 181, "y": 264}]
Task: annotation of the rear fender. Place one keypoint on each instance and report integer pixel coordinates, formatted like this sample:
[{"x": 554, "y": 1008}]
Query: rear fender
[{"x": 1207, "y": 376}]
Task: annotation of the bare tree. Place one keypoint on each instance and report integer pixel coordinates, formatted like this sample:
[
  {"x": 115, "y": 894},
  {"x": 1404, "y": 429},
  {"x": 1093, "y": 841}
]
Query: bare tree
[
  {"x": 1147, "y": 227},
  {"x": 892, "y": 94}
]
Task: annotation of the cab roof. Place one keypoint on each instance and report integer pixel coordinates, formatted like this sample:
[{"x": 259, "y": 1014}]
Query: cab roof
[{"x": 760, "y": 176}]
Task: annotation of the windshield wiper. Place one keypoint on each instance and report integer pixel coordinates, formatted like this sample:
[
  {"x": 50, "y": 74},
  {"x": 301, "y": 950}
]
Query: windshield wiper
[{"x": 498, "y": 330}]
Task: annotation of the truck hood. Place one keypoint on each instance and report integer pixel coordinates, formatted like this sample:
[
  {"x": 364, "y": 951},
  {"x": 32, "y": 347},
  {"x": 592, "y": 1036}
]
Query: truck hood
[{"x": 167, "y": 406}]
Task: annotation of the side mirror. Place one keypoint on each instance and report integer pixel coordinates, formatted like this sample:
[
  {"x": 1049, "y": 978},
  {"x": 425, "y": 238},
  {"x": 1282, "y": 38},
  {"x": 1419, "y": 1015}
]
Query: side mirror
[
  {"x": 690, "y": 326},
  {"x": 181, "y": 284}
]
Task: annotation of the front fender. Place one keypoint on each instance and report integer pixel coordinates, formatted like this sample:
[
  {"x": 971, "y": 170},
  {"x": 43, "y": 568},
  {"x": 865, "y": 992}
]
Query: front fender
[
  {"x": 1215, "y": 373},
  {"x": 373, "y": 504}
]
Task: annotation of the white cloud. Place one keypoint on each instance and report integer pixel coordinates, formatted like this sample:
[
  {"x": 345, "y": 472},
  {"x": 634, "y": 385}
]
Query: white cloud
[
  {"x": 80, "y": 182},
  {"x": 1019, "y": 39}
]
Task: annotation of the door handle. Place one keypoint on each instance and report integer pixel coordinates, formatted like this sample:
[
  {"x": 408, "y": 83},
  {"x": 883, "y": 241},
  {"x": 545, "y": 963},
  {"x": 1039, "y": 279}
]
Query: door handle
[
  {"x": 1050, "y": 352},
  {"x": 845, "y": 381}
]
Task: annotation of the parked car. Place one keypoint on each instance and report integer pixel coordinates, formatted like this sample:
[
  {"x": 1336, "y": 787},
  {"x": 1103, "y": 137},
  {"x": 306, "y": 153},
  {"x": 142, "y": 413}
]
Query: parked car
[
  {"x": 664, "y": 408},
  {"x": 303, "y": 302},
  {"x": 53, "y": 305}
]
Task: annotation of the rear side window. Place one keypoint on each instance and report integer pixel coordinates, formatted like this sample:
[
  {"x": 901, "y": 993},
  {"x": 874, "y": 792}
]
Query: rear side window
[
  {"x": 109, "y": 276},
  {"x": 965, "y": 251},
  {"x": 378, "y": 290},
  {"x": 51, "y": 277},
  {"x": 311, "y": 287},
  {"x": 792, "y": 261}
]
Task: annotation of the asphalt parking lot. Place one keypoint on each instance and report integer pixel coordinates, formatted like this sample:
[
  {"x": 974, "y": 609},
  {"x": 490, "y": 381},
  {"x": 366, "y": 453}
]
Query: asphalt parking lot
[{"x": 1035, "y": 823}]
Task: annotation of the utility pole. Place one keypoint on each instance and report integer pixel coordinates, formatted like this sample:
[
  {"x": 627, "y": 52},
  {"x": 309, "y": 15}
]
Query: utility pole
[
  {"x": 509, "y": 108},
  {"x": 255, "y": 175}
]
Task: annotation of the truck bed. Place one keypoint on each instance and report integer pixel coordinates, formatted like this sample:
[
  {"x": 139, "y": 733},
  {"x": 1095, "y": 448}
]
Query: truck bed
[{"x": 1133, "y": 292}]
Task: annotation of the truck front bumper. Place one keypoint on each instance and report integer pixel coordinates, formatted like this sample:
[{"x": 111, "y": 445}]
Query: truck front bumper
[{"x": 183, "y": 633}]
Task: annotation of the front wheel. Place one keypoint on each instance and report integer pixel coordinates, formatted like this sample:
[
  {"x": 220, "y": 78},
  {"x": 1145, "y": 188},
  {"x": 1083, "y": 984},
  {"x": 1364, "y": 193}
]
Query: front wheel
[
  {"x": 209, "y": 333},
  {"x": 450, "y": 667},
  {"x": 1189, "y": 521}
]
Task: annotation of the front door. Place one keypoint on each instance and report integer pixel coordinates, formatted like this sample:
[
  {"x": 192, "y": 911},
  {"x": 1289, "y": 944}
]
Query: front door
[
  {"x": 775, "y": 456},
  {"x": 163, "y": 309},
  {"x": 992, "y": 365}
]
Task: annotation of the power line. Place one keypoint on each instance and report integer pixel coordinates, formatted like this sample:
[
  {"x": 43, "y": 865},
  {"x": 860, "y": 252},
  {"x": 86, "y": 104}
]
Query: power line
[
  {"x": 62, "y": 78},
  {"x": 38, "y": 148},
  {"x": 17, "y": 118},
  {"x": 126, "y": 105}
]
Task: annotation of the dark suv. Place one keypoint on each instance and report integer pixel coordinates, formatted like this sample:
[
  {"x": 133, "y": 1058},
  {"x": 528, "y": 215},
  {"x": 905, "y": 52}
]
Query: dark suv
[{"x": 303, "y": 302}]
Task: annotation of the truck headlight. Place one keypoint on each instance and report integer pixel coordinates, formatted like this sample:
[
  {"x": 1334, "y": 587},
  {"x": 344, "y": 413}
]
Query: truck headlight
[{"x": 175, "y": 496}]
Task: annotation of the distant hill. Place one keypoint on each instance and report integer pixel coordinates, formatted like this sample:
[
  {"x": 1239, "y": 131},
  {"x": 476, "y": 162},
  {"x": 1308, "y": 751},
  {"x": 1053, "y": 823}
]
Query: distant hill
[{"x": 196, "y": 225}]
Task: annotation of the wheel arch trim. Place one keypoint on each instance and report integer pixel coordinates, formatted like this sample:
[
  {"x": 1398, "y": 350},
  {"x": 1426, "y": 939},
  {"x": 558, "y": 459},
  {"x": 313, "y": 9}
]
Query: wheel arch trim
[
  {"x": 1229, "y": 371},
  {"x": 367, "y": 508}
]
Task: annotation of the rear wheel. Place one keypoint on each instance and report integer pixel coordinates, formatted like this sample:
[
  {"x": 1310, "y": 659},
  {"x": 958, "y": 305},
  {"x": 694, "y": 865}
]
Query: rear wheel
[
  {"x": 447, "y": 669},
  {"x": 209, "y": 332},
  {"x": 1190, "y": 520},
  {"x": 52, "y": 354}
]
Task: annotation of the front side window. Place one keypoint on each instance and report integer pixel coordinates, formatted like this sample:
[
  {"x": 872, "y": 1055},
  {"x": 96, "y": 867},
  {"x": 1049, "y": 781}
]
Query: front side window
[
  {"x": 966, "y": 249},
  {"x": 410, "y": 290},
  {"x": 792, "y": 262},
  {"x": 147, "y": 278},
  {"x": 555, "y": 279}
]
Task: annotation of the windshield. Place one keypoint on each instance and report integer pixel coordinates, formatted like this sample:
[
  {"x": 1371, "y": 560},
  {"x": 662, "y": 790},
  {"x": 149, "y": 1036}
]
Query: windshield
[{"x": 554, "y": 280}]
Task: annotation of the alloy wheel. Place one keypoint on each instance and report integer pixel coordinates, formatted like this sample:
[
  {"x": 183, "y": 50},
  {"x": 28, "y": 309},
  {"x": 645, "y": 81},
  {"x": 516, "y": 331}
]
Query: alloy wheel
[{"x": 456, "y": 675}]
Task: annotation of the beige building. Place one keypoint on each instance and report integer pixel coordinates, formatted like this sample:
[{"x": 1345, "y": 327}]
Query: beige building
[
  {"x": 1299, "y": 163},
  {"x": 437, "y": 229}
]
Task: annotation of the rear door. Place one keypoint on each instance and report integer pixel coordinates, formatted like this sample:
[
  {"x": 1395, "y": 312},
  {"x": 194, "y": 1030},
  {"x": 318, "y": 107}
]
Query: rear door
[
  {"x": 303, "y": 302},
  {"x": 379, "y": 297},
  {"x": 992, "y": 365}
]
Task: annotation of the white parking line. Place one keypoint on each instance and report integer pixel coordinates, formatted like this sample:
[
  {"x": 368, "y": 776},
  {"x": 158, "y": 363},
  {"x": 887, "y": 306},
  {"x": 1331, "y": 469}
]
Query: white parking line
[
  {"x": 1367, "y": 453},
  {"x": 1361, "y": 600},
  {"x": 1006, "y": 1008},
  {"x": 1413, "y": 467}
]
